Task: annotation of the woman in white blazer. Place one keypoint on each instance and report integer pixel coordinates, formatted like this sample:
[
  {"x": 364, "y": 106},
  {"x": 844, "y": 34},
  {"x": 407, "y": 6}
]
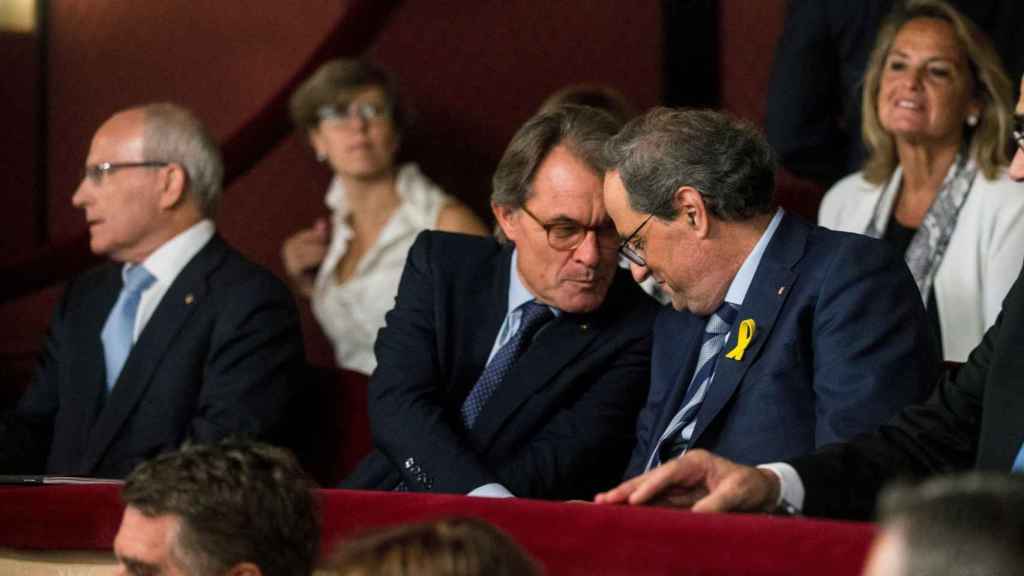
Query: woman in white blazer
[{"x": 936, "y": 122}]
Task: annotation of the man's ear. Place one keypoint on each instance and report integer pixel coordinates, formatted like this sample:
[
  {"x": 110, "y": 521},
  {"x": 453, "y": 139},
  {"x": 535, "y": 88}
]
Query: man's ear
[
  {"x": 244, "y": 569},
  {"x": 173, "y": 181},
  {"x": 692, "y": 211},
  {"x": 508, "y": 219}
]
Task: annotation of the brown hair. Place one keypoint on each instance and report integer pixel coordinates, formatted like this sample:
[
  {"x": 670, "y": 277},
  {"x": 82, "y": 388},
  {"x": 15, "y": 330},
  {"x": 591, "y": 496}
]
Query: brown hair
[
  {"x": 335, "y": 82},
  {"x": 237, "y": 502},
  {"x": 448, "y": 547},
  {"x": 992, "y": 88}
]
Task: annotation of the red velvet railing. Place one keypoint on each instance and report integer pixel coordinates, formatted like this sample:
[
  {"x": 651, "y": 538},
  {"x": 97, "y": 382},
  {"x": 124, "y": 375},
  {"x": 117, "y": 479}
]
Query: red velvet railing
[
  {"x": 242, "y": 150},
  {"x": 567, "y": 538}
]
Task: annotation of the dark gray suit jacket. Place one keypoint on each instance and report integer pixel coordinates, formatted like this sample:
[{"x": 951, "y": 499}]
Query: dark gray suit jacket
[
  {"x": 220, "y": 356},
  {"x": 560, "y": 425}
]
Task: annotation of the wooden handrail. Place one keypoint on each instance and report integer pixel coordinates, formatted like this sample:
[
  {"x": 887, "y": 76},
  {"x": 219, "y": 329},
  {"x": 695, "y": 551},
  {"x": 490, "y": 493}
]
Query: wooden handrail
[{"x": 356, "y": 30}]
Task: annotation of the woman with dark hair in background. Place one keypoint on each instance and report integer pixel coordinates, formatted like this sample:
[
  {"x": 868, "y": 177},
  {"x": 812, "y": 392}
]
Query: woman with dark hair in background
[{"x": 350, "y": 267}]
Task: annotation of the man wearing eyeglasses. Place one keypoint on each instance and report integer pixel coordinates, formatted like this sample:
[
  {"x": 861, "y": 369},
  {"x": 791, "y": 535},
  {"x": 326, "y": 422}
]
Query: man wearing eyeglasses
[
  {"x": 178, "y": 338},
  {"x": 516, "y": 368},
  {"x": 784, "y": 336},
  {"x": 973, "y": 419}
]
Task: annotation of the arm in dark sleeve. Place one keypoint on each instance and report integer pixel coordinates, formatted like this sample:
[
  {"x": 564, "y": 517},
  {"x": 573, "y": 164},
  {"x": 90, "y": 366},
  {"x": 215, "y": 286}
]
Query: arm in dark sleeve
[
  {"x": 408, "y": 419},
  {"x": 585, "y": 447},
  {"x": 251, "y": 371},
  {"x": 938, "y": 436},
  {"x": 873, "y": 351}
]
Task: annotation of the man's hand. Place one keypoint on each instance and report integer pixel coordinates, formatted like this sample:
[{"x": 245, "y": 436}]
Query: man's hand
[{"x": 702, "y": 482}]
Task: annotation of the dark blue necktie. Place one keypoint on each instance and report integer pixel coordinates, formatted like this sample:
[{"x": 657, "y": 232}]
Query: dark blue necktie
[
  {"x": 534, "y": 316},
  {"x": 677, "y": 434},
  {"x": 118, "y": 331}
]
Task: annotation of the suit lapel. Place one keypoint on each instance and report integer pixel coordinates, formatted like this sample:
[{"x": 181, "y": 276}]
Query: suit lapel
[
  {"x": 768, "y": 292},
  {"x": 88, "y": 386},
  {"x": 673, "y": 369},
  {"x": 482, "y": 312},
  {"x": 185, "y": 294},
  {"x": 554, "y": 347}
]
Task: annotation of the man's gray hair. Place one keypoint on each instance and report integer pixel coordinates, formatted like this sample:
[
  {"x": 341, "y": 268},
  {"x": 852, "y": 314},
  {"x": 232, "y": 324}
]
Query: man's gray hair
[
  {"x": 725, "y": 159},
  {"x": 583, "y": 130},
  {"x": 173, "y": 134},
  {"x": 971, "y": 524}
]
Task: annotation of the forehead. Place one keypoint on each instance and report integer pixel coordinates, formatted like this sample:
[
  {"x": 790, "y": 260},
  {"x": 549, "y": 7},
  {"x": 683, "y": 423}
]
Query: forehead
[
  {"x": 368, "y": 93},
  {"x": 617, "y": 201},
  {"x": 928, "y": 36},
  {"x": 145, "y": 539},
  {"x": 118, "y": 139},
  {"x": 565, "y": 185}
]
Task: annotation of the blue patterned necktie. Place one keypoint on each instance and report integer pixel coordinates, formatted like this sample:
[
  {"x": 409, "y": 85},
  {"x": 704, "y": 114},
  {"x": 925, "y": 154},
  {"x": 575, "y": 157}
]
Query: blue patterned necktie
[
  {"x": 534, "y": 316},
  {"x": 120, "y": 325},
  {"x": 676, "y": 437}
]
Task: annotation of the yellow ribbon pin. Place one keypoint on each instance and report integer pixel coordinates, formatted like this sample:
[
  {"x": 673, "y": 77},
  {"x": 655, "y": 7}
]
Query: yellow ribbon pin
[{"x": 746, "y": 334}]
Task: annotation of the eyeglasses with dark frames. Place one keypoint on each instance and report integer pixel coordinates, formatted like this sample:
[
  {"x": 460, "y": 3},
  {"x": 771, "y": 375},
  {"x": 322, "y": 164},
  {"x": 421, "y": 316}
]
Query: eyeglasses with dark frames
[
  {"x": 566, "y": 235},
  {"x": 364, "y": 111},
  {"x": 628, "y": 251},
  {"x": 96, "y": 172}
]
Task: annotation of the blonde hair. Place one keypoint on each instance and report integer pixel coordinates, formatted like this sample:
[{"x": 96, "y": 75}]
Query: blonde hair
[{"x": 992, "y": 88}]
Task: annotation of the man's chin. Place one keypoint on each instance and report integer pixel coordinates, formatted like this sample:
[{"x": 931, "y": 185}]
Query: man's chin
[{"x": 585, "y": 297}]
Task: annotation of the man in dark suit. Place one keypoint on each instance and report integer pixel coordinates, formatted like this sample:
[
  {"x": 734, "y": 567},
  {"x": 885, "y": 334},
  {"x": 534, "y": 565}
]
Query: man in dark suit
[
  {"x": 516, "y": 368},
  {"x": 180, "y": 338},
  {"x": 784, "y": 336},
  {"x": 972, "y": 419}
]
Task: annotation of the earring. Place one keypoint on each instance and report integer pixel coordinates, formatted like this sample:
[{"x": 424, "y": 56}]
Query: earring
[
  {"x": 321, "y": 157},
  {"x": 972, "y": 120}
]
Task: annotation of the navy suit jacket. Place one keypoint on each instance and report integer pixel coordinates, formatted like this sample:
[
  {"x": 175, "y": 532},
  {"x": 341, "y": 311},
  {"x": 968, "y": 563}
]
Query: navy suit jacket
[
  {"x": 218, "y": 357},
  {"x": 974, "y": 418},
  {"x": 559, "y": 426},
  {"x": 841, "y": 344}
]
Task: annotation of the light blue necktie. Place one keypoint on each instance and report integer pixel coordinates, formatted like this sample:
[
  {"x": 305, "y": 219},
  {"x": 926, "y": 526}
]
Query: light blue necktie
[
  {"x": 1018, "y": 463},
  {"x": 120, "y": 326},
  {"x": 676, "y": 437}
]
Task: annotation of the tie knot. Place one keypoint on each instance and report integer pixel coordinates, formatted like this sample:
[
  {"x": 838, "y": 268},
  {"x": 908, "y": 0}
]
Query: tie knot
[
  {"x": 534, "y": 314},
  {"x": 137, "y": 279},
  {"x": 722, "y": 319}
]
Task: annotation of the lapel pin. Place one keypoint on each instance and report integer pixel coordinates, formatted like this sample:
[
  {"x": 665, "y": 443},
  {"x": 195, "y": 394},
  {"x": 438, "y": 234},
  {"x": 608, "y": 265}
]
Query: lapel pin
[
  {"x": 746, "y": 334},
  {"x": 189, "y": 299},
  {"x": 781, "y": 290}
]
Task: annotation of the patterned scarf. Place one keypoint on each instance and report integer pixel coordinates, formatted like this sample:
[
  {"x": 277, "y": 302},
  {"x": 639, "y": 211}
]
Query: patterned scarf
[{"x": 924, "y": 255}]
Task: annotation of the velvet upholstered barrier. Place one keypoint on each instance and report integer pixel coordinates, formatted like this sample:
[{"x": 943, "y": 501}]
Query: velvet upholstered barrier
[{"x": 568, "y": 538}]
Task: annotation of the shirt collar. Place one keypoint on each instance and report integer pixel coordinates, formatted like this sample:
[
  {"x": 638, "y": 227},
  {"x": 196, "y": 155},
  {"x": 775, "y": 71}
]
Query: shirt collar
[
  {"x": 741, "y": 282},
  {"x": 167, "y": 261},
  {"x": 518, "y": 294}
]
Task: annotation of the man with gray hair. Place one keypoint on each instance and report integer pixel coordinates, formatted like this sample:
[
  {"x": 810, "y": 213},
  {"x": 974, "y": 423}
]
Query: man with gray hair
[
  {"x": 784, "y": 336},
  {"x": 229, "y": 509},
  {"x": 516, "y": 367},
  {"x": 966, "y": 525},
  {"x": 179, "y": 338}
]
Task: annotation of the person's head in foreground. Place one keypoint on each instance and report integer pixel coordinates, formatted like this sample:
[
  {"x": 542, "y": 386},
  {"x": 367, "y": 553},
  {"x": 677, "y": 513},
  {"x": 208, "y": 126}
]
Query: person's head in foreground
[
  {"x": 690, "y": 192},
  {"x": 969, "y": 525},
  {"x": 448, "y": 547},
  {"x": 235, "y": 508}
]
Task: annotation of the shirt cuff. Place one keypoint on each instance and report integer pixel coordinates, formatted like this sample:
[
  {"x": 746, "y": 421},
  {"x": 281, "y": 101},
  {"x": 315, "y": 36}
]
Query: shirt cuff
[
  {"x": 492, "y": 490},
  {"x": 791, "y": 487}
]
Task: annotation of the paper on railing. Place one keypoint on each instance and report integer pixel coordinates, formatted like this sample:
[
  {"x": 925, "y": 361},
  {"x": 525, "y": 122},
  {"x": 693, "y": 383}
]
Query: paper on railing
[{"x": 39, "y": 480}]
